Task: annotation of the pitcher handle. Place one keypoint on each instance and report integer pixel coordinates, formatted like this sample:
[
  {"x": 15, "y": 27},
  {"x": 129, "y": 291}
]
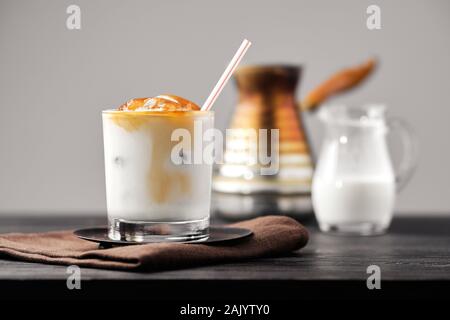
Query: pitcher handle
[{"x": 410, "y": 145}]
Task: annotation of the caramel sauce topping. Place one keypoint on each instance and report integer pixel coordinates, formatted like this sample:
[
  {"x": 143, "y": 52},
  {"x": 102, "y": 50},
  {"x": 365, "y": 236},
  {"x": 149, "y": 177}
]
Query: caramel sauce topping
[{"x": 164, "y": 102}]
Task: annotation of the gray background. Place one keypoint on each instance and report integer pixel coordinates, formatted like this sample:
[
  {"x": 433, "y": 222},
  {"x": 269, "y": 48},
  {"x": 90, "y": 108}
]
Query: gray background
[{"x": 54, "y": 82}]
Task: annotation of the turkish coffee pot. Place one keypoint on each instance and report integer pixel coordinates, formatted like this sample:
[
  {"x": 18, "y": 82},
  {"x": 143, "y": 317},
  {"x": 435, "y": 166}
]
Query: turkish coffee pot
[{"x": 267, "y": 101}]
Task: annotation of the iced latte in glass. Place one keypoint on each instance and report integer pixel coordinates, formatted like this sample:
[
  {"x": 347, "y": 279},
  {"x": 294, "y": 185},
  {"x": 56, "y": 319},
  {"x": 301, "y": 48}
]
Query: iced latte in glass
[{"x": 155, "y": 190}]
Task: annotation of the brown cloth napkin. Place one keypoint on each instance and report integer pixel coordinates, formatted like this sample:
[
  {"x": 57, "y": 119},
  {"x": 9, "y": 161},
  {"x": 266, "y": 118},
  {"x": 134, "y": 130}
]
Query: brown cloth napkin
[{"x": 272, "y": 236}]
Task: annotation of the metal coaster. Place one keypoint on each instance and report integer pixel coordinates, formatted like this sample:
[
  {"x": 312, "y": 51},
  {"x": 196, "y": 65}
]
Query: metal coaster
[{"x": 217, "y": 235}]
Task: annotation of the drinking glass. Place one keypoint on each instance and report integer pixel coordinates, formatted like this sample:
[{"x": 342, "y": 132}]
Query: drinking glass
[{"x": 151, "y": 196}]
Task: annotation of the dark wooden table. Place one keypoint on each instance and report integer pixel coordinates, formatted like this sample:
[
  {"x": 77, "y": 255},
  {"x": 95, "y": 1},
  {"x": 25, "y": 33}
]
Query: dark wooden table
[{"x": 414, "y": 258}]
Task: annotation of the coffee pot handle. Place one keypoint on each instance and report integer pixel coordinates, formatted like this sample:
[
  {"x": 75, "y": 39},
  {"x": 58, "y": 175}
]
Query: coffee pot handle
[{"x": 410, "y": 147}]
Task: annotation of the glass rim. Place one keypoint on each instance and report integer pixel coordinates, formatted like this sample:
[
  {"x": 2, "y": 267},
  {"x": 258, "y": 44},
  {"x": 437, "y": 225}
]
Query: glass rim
[
  {"x": 364, "y": 116},
  {"x": 158, "y": 113}
]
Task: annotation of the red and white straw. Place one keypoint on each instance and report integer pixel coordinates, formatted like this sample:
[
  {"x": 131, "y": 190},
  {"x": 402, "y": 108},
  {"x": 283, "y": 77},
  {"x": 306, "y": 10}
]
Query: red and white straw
[{"x": 226, "y": 75}]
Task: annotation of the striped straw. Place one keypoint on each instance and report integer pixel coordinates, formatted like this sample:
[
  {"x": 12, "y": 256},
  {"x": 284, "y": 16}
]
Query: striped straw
[{"x": 226, "y": 75}]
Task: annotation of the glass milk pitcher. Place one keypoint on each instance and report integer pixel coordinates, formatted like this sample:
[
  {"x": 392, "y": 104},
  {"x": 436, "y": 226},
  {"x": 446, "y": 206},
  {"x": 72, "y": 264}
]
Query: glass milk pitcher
[{"x": 354, "y": 184}]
